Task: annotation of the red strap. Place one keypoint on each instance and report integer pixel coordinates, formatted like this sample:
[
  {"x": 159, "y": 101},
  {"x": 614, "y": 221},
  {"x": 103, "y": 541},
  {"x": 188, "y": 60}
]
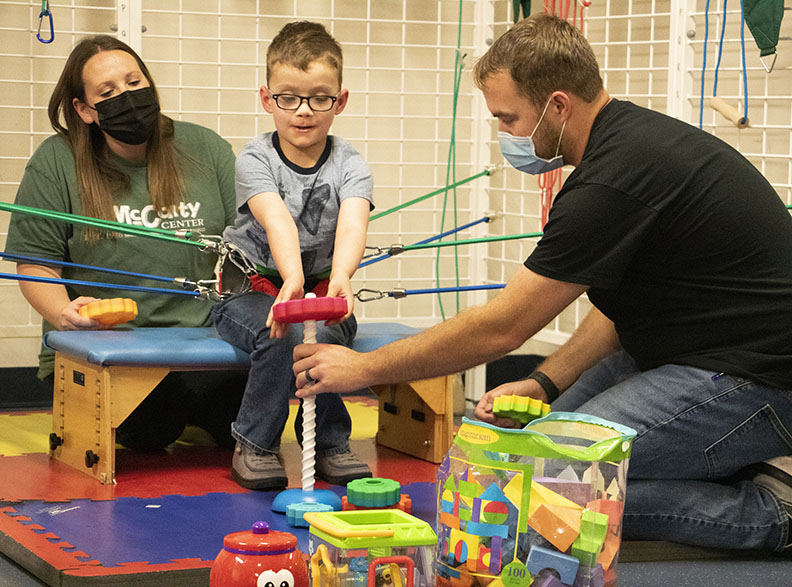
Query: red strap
[
  {"x": 320, "y": 289},
  {"x": 259, "y": 283}
]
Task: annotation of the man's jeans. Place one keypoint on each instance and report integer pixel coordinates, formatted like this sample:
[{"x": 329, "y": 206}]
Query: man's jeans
[
  {"x": 696, "y": 430},
  {"x": 241, "y": 320}
]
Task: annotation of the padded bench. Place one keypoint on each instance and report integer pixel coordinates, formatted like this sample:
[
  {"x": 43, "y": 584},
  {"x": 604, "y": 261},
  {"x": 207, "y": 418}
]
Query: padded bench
[{"x": 101, "y": 376}]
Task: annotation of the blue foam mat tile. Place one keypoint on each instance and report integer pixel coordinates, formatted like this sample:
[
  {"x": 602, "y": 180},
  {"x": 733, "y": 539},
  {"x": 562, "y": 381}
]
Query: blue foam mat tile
[{"x": 159, "y": 530}]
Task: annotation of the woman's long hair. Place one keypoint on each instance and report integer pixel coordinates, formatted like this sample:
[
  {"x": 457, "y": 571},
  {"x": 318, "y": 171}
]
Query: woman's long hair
[{"x": 100, "y": 181}]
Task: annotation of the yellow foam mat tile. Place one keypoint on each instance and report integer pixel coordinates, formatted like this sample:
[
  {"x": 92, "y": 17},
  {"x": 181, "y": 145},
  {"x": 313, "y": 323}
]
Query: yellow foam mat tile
[
  {"x": 24, "y": 432},
  {"x": 28, "y": 432}
]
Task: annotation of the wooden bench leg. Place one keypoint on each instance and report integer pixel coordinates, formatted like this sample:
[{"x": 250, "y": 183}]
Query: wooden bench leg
[
  {"x": 89, "y": 403},
  {"x": 418, "y": 417}
]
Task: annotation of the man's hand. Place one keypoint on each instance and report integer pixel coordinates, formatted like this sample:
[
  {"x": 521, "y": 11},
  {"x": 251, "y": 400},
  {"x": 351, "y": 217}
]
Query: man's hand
[
  {"x": 334, "y": 368},
  {"x": 526, "y": 387}
]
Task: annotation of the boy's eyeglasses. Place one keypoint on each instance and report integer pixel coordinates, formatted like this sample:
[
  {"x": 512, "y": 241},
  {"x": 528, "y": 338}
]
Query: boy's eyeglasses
[{"x": 315, "y": 103}]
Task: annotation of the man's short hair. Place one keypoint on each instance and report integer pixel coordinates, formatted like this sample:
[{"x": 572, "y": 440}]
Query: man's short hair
[
  {"x": 543, "y": 54},
  {"x": 298, "y": 44}
]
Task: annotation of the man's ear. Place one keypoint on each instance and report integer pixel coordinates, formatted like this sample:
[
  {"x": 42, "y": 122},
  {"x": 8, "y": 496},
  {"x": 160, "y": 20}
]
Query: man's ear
[
  {"x": 83, "y": 111},
  {"x": 266, "y": 99},
  {"x": 343, "y": 98},
  {"x": 560, "y": 102}
]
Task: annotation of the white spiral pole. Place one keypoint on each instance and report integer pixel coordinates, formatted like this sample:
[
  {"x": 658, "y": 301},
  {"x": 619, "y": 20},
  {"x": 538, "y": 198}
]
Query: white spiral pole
[{"x": 309, "y": 417}]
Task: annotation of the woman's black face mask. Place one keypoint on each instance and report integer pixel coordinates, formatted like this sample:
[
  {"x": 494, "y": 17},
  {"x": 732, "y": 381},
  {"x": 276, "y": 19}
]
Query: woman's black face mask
[{"x": 129, "y": 117}]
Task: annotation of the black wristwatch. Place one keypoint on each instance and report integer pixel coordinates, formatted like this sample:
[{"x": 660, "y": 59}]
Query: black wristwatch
[{"x": 547, "y": 384}]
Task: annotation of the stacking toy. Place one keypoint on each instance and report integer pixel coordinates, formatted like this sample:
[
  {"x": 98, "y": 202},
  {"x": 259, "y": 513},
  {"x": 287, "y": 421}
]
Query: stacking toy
[
  {"x": 308, "y": 310},
  {"x": 110, "y": 312},
  {"x": 259, "y": 557}
]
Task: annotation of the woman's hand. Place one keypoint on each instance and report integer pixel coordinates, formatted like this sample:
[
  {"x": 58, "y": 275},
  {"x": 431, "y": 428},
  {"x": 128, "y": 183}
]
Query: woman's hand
[{"x": 70, "y": 318}]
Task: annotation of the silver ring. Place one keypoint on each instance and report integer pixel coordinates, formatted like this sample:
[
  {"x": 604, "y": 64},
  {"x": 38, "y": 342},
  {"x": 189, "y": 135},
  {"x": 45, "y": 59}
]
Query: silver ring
[{"x": 308, "y": 376}]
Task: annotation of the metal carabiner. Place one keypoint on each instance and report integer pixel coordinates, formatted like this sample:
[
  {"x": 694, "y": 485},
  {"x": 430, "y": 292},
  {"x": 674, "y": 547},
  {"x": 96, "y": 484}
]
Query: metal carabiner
[
  {"x": 769, "y": 69},
  {"x": 45, "y": 11},
  {"x": 377, "y": 252},
  {"x": 376, "y": 295}
]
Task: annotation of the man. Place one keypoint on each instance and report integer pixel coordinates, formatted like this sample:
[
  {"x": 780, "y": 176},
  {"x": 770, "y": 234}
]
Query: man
[{"x": 684, "y": 250}]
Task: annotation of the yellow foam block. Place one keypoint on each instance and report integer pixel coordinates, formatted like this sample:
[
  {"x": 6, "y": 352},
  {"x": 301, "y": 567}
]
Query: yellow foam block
[
  {"x": 542, "y": 495},
  {"x": 110, "y": 312}
]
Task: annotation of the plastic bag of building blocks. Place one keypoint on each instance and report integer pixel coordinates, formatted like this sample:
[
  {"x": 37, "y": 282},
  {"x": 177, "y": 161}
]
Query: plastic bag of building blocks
[{"x": 538, "y": 506}]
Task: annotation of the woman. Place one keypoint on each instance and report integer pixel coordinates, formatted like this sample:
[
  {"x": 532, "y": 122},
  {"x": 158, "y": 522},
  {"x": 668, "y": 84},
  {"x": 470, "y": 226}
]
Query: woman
[{"x": 116, "y": 157}]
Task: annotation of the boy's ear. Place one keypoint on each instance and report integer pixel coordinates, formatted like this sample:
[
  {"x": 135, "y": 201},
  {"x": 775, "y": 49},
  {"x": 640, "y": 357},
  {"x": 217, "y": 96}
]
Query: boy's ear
[
  {"x": 266, "y": 100},
  {"x": 343, "y": 98}
]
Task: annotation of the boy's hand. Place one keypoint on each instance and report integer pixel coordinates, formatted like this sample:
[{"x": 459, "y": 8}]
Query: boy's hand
[
  {"x": 341, "y": 287},
  {"x": 292, "y": 289}
]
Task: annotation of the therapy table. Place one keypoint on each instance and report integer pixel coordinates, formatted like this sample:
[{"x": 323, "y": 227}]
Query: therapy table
[{"x": 101, "y": 376}]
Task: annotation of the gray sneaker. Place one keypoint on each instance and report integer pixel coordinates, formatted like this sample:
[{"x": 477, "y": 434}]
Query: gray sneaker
[
  {"x": 775, "y": 476},
  {"x": 340, "y": 469},
  {"x": 252, "y": 471}
]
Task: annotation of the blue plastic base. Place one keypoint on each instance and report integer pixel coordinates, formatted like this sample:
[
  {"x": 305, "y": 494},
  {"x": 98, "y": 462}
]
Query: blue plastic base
[{"x": 290, "y": 496}]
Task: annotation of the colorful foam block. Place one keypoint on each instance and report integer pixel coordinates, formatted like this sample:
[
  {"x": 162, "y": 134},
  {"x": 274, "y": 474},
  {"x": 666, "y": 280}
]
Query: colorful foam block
[
  {"x": 590, "y": 577},
  {"x": 547, "y": 580},
  {"x": 558, "y": 525},
  {"x": 610, "y": 547},
  {"x": 613, "y": 509},
  {"x": 577, "y": 491},
  {"x": 540, "y": 558},
  {"x": 542, "y": 495},
  {"x": 593, "y": 529},
  {"x": 518, "y": 407}
]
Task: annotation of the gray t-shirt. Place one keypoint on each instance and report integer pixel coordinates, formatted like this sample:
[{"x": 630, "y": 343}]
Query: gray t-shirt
[{"x": 312, "y": 195}]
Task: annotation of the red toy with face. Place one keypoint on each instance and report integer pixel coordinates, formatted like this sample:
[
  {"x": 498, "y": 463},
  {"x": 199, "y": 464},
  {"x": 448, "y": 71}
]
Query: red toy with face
[{"x": 259, "y": 558}]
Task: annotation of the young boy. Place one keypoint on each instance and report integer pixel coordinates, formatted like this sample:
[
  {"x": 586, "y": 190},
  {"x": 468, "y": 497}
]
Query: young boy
[{"x": 303, "y": 201}]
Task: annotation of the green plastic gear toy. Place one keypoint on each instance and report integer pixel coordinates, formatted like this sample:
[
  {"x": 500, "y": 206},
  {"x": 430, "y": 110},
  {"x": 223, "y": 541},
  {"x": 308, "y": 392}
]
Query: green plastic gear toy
[
  {"x": 373, "y": 492},
  {"x": 520, "y": 408}
]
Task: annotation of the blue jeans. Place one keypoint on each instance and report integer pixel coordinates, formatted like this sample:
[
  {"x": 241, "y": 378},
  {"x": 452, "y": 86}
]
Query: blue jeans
[
  {"x": 241, "y": 320},
  {"x": 696, "y": 430}
]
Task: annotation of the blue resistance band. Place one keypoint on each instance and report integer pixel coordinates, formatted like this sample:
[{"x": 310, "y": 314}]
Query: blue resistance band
[
  {"x": 408, "y": 292},
  {"x": 50, "y": 262},
  {"x": 61, "y": 281},
  {"x": 429, "y": 240}
]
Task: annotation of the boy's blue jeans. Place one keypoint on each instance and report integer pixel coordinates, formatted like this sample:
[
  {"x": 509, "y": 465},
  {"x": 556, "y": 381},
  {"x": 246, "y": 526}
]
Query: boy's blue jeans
[
  {"x": 241, "y": 320},
  {"x": 696, "y": 430}
]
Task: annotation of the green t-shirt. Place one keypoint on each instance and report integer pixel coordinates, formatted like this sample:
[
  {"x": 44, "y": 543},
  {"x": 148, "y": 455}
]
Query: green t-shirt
[{"x": 50, "y": 182}]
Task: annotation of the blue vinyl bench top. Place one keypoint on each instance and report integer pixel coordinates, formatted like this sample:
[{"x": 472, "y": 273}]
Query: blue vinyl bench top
[{"x": 186, "y": 348}]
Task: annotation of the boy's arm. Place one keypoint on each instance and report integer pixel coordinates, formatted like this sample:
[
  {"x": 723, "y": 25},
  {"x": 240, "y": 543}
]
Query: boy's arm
[
  {"x": 350, "y": 244},
  {"x": 284, "y": 241}
]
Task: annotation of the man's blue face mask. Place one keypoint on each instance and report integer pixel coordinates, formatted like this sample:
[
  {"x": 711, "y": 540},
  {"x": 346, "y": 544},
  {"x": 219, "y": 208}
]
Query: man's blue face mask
[{"x": 521, "y": 151}]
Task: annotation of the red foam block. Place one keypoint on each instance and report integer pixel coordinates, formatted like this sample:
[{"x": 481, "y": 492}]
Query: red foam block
[{"x": 309, "y": 309}]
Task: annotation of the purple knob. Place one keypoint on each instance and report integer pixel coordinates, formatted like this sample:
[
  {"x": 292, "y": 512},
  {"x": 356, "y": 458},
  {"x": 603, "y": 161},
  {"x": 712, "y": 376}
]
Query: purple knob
[{"x": 260, "y": 528}]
